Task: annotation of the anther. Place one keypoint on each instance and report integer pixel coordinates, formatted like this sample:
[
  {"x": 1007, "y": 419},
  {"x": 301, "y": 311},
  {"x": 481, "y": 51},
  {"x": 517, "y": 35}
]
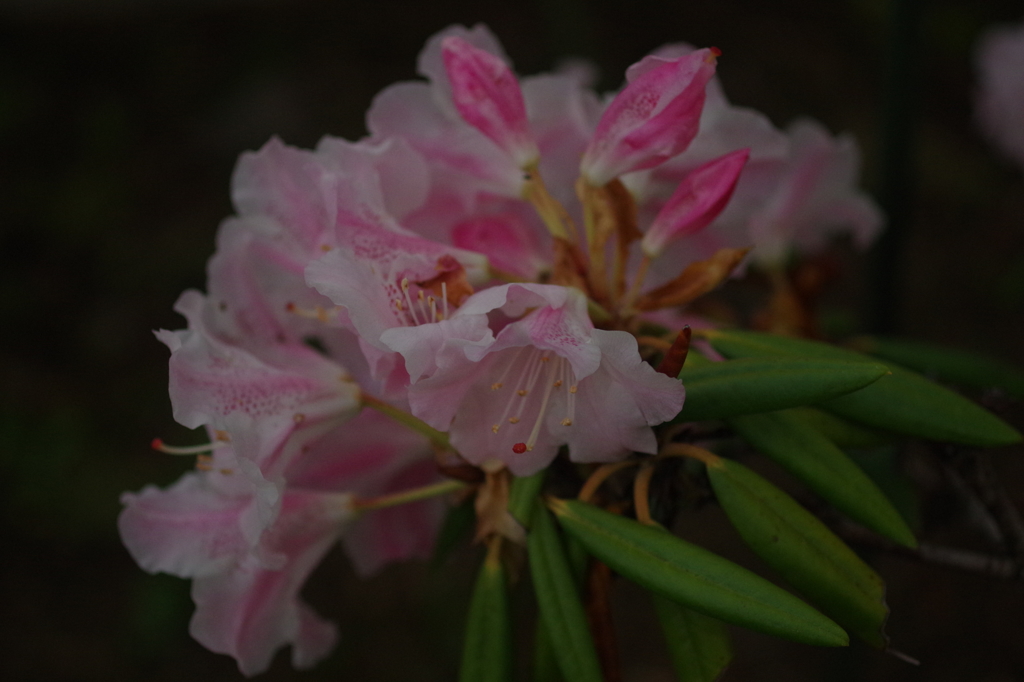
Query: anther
[
  {"x": 566, "y": 422},
  {"x": 573, "y": 389},
  {"x": 522, "y": 391},
  {"x": 496, "y": 385},
  {"x": 558, "y": 384},
  {"x": 519, "y": 448},
  {"x": 298, "y": 418},
  {"x": 325, "y": 247},
  {"x": 513, "y": 420},
  {"x": 495, "y": 428}
]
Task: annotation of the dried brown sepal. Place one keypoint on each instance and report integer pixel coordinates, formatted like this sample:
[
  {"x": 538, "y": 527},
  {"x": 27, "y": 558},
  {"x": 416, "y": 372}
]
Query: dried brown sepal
[
  {"x": 570, "y": 268},
  {"x": 627, "y": 231},
  {"x": 696, "y": 280},
  {"x": 492, "y": 515},
  {"x": 672, "y": 364},
  {"x": 452, "y": 465},
  {"x": 609, "y": 210},
  {"x": 453, "y": 276}
]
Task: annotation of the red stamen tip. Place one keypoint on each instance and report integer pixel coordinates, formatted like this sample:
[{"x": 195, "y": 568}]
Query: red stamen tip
[
  {"x": 290, "y": 307},
  {"x": 715, "y": 51},
  {"x": 519, "y": 448},
  {"x": 156, "y": 444}
]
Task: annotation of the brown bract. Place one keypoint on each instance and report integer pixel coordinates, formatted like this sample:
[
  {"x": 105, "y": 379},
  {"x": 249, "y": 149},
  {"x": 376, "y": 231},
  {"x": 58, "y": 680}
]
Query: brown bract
[{"x": 696, "y": 280}]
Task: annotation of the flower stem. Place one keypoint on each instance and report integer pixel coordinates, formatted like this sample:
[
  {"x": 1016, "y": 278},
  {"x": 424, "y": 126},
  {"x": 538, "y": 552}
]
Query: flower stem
[
  {"x": 407, "y": 496},
  {"x": 600, "y": 475},
  {"x": 436, "y": 437},
  {"x": 685, "y": 450},
  {"x": 554, "y": 215},
  {"x": 641, "y": 495}
]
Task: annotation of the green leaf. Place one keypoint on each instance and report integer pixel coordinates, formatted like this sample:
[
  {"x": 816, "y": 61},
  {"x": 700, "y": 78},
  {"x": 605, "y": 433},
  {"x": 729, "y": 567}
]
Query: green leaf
[
  {"x": 845, "y": 434},
  {"x": 957, "y": 366},
  {"x": 559, "y": 603},
  {"x": 693, "y": 576},
  {"x": 457, "y": 526},
  {"x": 725, "y": 389},
  {"x": 522, "y": 497},
  {"x": 904, "y": 402},
  {"x": 790, "y": 439},
  {"x": 699, "y": 645},
  {"x": 802, "y": 549},
  {"x": 545, "y": 664},
  {"x": 487, "y": 652}
]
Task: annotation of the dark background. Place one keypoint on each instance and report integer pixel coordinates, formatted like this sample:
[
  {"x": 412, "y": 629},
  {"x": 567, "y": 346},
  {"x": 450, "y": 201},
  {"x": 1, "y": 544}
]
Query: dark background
[{"x": 120, "y": 122}]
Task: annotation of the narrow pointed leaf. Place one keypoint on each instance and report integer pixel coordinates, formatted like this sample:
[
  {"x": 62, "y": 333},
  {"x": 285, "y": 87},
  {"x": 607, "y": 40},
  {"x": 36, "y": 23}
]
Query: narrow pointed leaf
[
  {"x": 522, "y": 497},
  {"x": 790, "y": 439},
  {"x": 957, "y": 366},
  {"x": 487, "y": 652},
  {"x": 803, "y": 550},
  {"x": 456, "y": 527},
  {"x": 845, "y": 434},
  {"x": 904, "y": 402},
  {"x": 698, "y": 645},
  {"x": 693, "y": 576},
  {"x": 725, "y": 389},
  {"x": 559, "y": 602},
  {"x": 545, "y": 665}
]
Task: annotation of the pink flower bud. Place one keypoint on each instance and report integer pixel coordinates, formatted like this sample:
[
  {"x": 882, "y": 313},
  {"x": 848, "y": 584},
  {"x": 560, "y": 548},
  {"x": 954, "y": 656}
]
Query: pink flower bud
[
  {"x": 653, "y": 119},
  {"x": 487, "y": 96},
  {"x": 698, "y": 200}
]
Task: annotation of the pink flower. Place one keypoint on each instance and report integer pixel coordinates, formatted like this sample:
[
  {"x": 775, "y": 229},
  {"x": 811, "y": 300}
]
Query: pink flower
[
  {"x": 814, "y": 196},
  {"x": 654, "y": 118},
  {"x": 487, "y": 96},
  {"x": 698, "y": 200},
  {"x": 779, "y": 204},
  {"x": 246, "y": 590},
  {"x": 548, "y": 379},
  {"x": 999, "y": 63}
]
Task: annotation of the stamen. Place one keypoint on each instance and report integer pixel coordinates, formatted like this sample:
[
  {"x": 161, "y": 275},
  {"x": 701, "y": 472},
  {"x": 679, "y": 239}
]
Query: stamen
[
  {"x": 433, "y": 308},
  {"x": 444, "y": 298},
  {"x": 421, "y": 301},
  {"x": 500, "y": 382},
  {"x": 408, "y": 301},
  {"x": 316, "y": 313},
  {"x": 570, "y": 405},
  {"x": 570, "y": 400},
  {"x": 532, "y": 440},
  {"x": 158, "y": 445}
]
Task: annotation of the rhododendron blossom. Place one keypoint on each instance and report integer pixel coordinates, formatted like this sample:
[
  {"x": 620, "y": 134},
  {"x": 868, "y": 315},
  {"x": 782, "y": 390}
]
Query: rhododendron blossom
[
  {"x": 494, "y": 273},
  {"x": 999, "y": 62}
]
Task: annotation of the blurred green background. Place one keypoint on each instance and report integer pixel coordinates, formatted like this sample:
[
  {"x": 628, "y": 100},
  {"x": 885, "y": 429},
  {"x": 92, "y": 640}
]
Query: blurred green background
[{"x": 120, "y": 121}]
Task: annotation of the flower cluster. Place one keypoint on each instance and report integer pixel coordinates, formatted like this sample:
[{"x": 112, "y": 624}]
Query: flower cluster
[
  {"x": 476, "y": 270},
  {"x": 1000, "y": 100}
]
